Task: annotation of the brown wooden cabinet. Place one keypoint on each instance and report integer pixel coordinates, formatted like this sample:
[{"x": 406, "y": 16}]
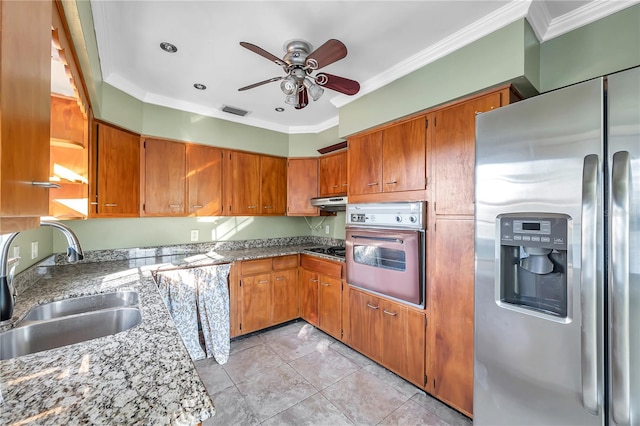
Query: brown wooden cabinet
[
  {"x": 389, "y": 333},
  {"x": 333, "y": 174},
  {"x": 273, "y": 185},
  {"x": 388, "y": 163},
  {"x": 268, "y": 292},
  {"x": 321, "y": 293},
  {"x": 451, "y": 295},
  {"x": 25, "y": 84},
  {"x": 204, "y": 180},
  {"x": 302, "y": 185},
  {"x": 164, "y": 178},
  {"x": 114, "y": 177}
]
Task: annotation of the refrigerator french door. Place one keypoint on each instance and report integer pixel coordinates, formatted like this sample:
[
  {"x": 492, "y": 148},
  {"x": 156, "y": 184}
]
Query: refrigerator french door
[{"x": 557, "y": 280}]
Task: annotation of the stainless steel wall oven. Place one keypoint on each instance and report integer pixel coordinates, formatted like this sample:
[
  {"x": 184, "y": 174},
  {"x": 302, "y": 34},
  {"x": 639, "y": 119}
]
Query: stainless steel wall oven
[{"x": 385, "y": 249}]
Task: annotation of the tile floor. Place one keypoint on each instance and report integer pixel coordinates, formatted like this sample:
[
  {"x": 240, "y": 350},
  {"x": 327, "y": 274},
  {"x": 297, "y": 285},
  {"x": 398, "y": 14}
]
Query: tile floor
[{"x": 298, "y": 375}]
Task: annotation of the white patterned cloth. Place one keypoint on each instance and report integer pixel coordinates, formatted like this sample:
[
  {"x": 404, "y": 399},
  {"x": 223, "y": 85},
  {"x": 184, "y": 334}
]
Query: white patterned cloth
[{"x": 199, "y": 293}]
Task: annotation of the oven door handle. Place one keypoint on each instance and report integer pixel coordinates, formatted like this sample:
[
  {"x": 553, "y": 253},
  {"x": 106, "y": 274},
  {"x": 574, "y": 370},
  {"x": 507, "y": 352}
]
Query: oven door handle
[{"x": 391, "y": 240}]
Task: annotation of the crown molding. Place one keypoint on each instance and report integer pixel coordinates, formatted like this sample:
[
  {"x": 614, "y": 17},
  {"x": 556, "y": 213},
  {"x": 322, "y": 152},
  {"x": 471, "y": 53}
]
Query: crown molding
[{"x": 100, "y": 28}]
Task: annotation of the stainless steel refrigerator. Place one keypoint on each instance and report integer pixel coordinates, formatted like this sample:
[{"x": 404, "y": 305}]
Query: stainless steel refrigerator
[{"x": 557, "y": 279}]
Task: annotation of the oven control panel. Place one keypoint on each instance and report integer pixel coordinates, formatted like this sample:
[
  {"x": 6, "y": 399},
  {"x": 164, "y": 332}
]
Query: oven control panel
[{"x": 410, "y": 215}]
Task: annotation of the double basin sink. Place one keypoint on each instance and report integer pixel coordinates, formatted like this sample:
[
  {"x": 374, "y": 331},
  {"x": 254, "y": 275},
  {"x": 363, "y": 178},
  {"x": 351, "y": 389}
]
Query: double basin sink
[{"x": 65, "y": 322}]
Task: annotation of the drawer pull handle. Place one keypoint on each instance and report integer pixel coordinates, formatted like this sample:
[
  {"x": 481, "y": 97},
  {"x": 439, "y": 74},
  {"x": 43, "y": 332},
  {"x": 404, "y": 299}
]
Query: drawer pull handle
[
  {"x": 326, "y": 284},
  {"x": 251, "y": 207},
  {"x": 263, "y": 281},
  {"x": 268, "y": 207},
  {"x": 369, "y": 305},
  {"x": 372, "y": 184},
  {"x": 174, "y": 206},
  {"x": 45, "y": 184},
  {"x": 393, "y": 182},
  {"x": 197, "y": 206},
  {"x": 111, "y": 205},
  {"x": 279, "y": 278},
  {"x": 313, "y": 280},
  {"x": 393, "y": 314},
  {"x": 94, "y": 203}
]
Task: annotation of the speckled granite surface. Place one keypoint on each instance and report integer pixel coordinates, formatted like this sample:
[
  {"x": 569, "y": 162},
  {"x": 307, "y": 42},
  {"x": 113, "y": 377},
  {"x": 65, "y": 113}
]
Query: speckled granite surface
[{"x": 141, "y": 376}]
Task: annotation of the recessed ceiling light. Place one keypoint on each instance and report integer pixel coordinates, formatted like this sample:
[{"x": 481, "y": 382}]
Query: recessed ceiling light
[
  {"x": 168, "y": 47},
  {"x": 280, "y": 109},
  {"x": 200, "y": 86}
]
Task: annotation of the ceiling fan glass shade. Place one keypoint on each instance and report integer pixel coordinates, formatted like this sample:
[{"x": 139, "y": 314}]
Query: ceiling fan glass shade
[
  {"x": 289, "y": 86},
  {"x": 292, "y": 99},
  {"x": 314, "y": 90}
]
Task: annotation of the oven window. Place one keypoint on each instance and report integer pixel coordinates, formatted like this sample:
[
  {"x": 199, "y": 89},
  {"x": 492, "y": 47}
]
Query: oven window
[{"x": 380, "y": 257}]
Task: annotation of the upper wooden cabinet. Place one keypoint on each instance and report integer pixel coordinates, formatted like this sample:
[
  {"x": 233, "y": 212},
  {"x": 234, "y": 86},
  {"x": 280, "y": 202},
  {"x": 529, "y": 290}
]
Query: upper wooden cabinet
[
  {"x": 115, "y": 172},
  {"x": 204, "y": 180},
  {"x": 452, "y": 152},
  {"x": 333, "y": 174},
  {"x": 255, "y": 184},
  {"x": 302, "y": 185},
  {"x": 273, "y": 185},
  {"x": 25, "y": 84},
  {"x": 164, "y": 178},
  {"x": 388, "y": 164}
]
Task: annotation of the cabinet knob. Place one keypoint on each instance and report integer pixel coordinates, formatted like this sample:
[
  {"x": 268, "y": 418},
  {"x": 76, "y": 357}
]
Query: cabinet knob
[{"x": 369, "y": 305}]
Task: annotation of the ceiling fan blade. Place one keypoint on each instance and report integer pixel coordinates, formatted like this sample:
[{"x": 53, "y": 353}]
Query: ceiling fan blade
[
  {"x": 337, "y": 83},
  {"x": 260, "y": 83},
  {"x": 260, "y": 51},
  {"x": 303, "y": 98},
  {"x": 333, "y": 50}
]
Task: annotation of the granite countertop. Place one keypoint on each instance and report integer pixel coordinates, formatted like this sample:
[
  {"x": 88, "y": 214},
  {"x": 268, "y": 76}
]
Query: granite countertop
[{"x": 140, "y": 376}]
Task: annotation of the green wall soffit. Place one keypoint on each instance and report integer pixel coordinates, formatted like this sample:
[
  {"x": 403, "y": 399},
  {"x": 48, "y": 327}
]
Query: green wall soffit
[
  {"x": 608, "y": 45},
  {"x": 494, "y": 59}
]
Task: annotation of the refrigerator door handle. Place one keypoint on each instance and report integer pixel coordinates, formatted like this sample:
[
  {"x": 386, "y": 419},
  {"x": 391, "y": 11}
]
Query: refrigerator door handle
[
  {"x": 588, "y": 284},
  {"x": 619, "y": 288}
]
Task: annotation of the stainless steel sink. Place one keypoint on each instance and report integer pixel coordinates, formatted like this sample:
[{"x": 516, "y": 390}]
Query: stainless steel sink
[
  {"x": 81, "y": 304},
  {"x": 40, "y": 336}
]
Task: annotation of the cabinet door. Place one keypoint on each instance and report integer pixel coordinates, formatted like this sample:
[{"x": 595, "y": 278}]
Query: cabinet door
[
  {"x": 365, "y": 164},
  {"x": 117, "y": 172},
  {"x": 331, "y": 306},
  {"x": 204, "y": 180},
  {"x": 365, "y": 331},
  {"x": 302, "y": 185},
  {"x": 309, "y": 296},
  {"x": 333, "y": 174},
  {"x": 165, "y": 178},
  {"x": 404, "y": 156},
  {"x": 452, "y": 154},
  {"x": 25, "y": 84},
  {"x": 256, "y": 302},
  {"x": 245, "y": 183},
  {"x": 394, "y": 332},
  {"x": 452, "y": 293},
  {"x": 285, "y": 296},
  {"x": 273, "y": 185}
]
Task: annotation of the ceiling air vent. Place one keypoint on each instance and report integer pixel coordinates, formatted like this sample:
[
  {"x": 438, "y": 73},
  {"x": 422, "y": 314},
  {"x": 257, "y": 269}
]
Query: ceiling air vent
[{"x": 235, "y": 111}]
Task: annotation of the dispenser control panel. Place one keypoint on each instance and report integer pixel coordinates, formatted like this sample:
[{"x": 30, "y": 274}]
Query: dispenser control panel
[{"x": 544, "y": 231}]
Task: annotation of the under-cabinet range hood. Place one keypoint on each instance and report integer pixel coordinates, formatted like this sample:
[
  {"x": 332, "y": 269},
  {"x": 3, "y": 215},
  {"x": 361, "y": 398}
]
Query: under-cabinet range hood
[{"x": 330, "y": 204}]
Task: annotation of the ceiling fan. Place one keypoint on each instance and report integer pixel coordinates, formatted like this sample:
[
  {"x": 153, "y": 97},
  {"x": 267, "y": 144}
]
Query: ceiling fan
[{"x": 298, "y": 64}]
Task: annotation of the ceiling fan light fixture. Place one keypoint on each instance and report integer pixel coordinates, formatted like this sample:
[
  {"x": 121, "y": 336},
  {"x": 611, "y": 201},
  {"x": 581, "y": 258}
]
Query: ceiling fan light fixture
[
  {"x": 289, "y": 86},
  {"x": 314, "y": 90}
]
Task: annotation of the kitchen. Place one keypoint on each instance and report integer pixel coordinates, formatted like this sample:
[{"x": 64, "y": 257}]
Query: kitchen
[{"x": 512, "y": 41}]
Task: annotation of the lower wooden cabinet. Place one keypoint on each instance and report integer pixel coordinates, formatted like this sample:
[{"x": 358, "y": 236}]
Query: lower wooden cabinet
[
  {"x": 268, "y": 292},
  {"x": 321, "y": 294},
  {"x": 389, "y": 333}
]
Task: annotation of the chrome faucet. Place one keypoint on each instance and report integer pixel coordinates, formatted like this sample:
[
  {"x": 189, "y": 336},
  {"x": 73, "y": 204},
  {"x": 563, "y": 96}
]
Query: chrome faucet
[{"x": 7, "y": 266}]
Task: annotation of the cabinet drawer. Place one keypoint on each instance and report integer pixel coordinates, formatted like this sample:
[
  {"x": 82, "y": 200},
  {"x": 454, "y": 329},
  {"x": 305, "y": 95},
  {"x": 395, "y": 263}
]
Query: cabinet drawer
[
  {"x": 285, "y": 262},
  {"x": 249, "y": 267},
  {"x": 325, "y": 267}
]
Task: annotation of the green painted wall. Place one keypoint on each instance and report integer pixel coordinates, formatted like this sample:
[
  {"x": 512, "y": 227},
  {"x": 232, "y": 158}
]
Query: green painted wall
[
  {"x": 97, "y": 234},
  {"x": 307, "y": 144},
  {"x": 497, "y": 58},
  {"x": 45, "y": 246},
  {"x": 603, "y": 47}
]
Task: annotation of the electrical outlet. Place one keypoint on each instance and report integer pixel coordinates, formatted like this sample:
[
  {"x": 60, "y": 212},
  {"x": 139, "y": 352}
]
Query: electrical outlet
[
  {"x": 326, "y": 229},
  {"x": 34, "y": 249},
  {"x": 194, "y": 235}
]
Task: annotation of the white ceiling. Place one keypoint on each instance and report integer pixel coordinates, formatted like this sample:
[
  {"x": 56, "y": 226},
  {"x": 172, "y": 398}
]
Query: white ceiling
[{"x": 385, "y": 40}]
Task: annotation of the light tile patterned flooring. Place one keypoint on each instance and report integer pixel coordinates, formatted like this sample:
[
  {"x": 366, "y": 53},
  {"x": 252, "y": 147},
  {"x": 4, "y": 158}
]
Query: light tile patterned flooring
[{"x": 298, "y": 375}]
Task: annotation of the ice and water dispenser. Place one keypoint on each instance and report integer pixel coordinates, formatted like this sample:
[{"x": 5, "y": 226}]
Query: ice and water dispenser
[{"x": 533, "y": 262}]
